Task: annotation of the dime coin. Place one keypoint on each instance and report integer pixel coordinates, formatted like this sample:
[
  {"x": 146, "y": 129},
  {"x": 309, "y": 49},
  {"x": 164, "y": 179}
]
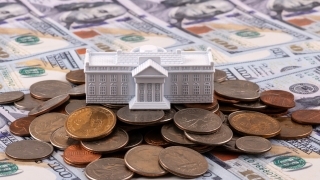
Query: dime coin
[
  {"x": 49, "y": 105},
  {"x": 206, "y": 106},
  {"x": 153, "y": 137},
  {"x": 90, "y": 123},
  {"x": 108, "y": 169},
  {"x": 113, "y": 142},
  {"x": 76, "y": 77},
  {"x": 74, "y": 105},
  {"x": 292, "y": 130},
  {"x": 9, "y": 97},
  {"x": 28, "y": 150},
  {"x": 139, "y": 117},
  {"x": 222, "y": 136},
  {"x": 197, "y": 120},
  {"x": 231, "y": 145},
  {"x": 135, "y": 139},
  {"x": 238, "y": 90},
  {"x": 224, "y": 100},
  {"x": 175, "y": 135},
  {"x": 253, "y": 144},
  {"x": 20, "y": 127},
  {"x": 27, "y": 103},
  {"x": 60, "y": 139},
  {"x": 43, "y": 126},
  {"x": 143, "y": 160},
  {"x": 168, "y": 115},
  {"x": 48, "y": 89},
  {"x": 278, "y": 99},
  {"x": 76, "y": 154},
  {"x": 174, "y": 158},
  {"x": 305, "y": 116},
  {"x": 254, "y": 106},
  {"x": 219, "y": 75},
  {"x": 254, "y": 123},
  {"x": 78, "y": 91}
]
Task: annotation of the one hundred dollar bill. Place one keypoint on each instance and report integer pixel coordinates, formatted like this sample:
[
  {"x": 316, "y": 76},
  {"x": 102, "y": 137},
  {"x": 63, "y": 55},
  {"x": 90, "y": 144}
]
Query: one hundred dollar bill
[{"x": 303, "y": 48}]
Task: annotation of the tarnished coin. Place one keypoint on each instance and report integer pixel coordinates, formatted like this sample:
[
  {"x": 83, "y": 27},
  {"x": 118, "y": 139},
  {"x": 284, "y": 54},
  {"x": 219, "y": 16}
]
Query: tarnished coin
[
  {"x": 48, "y": 89},
  {"x": 90, "y": 123},
  {"x": 254, "y": 106},
  {"x": 231, "y": 145},
  {"x": 306, "y": 116},
  {"x": 206, "y": 106},
  {"x": 175, "y": 135},
  {"x": 253, "y": 144},
  {"x": 278, "y": 99},
  {"x": 174, "y": 158},
  {"x": 224, "y": 100},
  {"x": 254, "y": 123},
  {"x": 238, "y": 90},
  {"x": 135, "y": 139},
  {"x": 74, "y": 105},
  {"x": 28, "y": 150},
  {"x": 108, "y": 169},
  {"x": 27, "y": 103},
  {"x": 9, "y": 97},
  {"x": 76, "y": 77},
  {"x": 202, "y": 148},
  {"x": 113, "y": 142},
  {"x": 76, "y": 154},
  {"x": 219, "y": 75},
  {"x": 222, "y": 136},
  {"x": 292, "y": 130},
  {"x": 49, "y": 105},
  {"x": 144, "y": 159},
  {"x": 43, "y": 126},
  {"x": 153, "y": 137},
  {"x": 78, "y": 91},
  {"x": 139, "y": 117},
  {"x": 168, "y": 116},
  {"x": 20, "y": 127},
  {"x": 60, "y": 139},
  {"x": 197, "y": 121}
]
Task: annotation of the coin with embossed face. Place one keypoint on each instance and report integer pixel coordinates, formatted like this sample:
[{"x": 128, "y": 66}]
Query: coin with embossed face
[
  {"x": 153, "y": 137},
  {"x": 9, "y": 97},
  {"x": 183, "y": 162},
  {"x": 139, "y": 117},
  {"x": 48, "y": 89},
  {"x": 90, "y": 123},
  {"x": 76, "y": 76},
  {"x": 60, "y": 139},
  {"x": 108, "y": 169},
  {"x": 43, "y": 126},
  {"x": 78, "y": 91},
  {"x": 27, "y": 103},
  {"x": 306, "y": 116},
  {"x": 144, "y": 159},
  {"x": 76, "y": 154},
  {"x": 198, "y": 121},
  {"x": 20, "y": 127},
  {"x": 278, "y": 99},
  {"x": 49, "y": 105},
  {"x": 29, "y": 150},
  {"x": 219, "y": 75},
  {"x": 175, "y": 135},
  {"x": 74, "y": 105},
  {"x": 253, "y": 144}
]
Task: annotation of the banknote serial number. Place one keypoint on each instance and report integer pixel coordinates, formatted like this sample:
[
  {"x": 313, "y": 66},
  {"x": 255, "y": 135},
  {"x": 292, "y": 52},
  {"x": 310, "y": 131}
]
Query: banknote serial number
[{"x": 262, "y": 168}]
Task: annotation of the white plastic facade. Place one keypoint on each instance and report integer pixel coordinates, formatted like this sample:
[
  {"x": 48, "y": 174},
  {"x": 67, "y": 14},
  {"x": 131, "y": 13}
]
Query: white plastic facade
[{"x": 149, "y": 77}]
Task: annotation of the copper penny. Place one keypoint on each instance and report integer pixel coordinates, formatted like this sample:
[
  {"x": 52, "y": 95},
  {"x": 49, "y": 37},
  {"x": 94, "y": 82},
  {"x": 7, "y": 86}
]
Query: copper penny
[
  {"x": 206, "y": 106},
  {"x": 278, "y": 99},
  {"x": 175, "y": 135},
  {"x": 74, "y": 165},
  {"x": 139, "y": 117},
  {"x": 76, "y": 77},
  {"x": 49, "y": 105},
  {"x": 183, "y": 162},
  {"x": 253, "y": 144},
  {"x": 135, "y": 139},
  {"x": 20, "y": 127},
  {"x": 224, "y": 100},
  {"x": 292, "y": 130},
  {"x": 144, "y": 159},
  {"x": 254, "y": 123},
  {"x": 219, "y": 75},
  {"x": 153, "y": 137},
  {"x": 60, "y": 139},
  {"x": 202, "y": 148},
  {"x": 311, "y": 116},
  {"x": 48, "y": 89},
  {"x": 27, "y": 103},
  {"x": 76, "y": 154},
  {"x": 74, "y": 105},
  {"x": 9, "y": 97}
]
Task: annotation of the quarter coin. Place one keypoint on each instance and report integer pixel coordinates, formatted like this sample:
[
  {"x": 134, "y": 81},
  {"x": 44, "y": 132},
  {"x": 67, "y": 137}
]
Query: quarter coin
[
  {"x": 49, "y": 105},
  {"x": 292, "y": 130},
  {"x": 175, "y": 135},
  {"x": 78, "y": 91},
  {"x": 48, "y": 89},
  {"x": 20, "y": 127},
  {"x": 74, "y": 105},
  {"x": 153, "y": 137},
  {"x": 139, "y": 117},
  {"x": 76, "y": 154},
  {"x": 60, "y": 139},
  {"x": 27, "y": 103},
  {"x": 306, "y": 116},
  {"x": 278, "y": 99},
  {"x": 76, "y": 77},
  {"x": 253, "y": 144},
  {"x": 10, "y": 97},
  {"x": 219, "y": 75}
]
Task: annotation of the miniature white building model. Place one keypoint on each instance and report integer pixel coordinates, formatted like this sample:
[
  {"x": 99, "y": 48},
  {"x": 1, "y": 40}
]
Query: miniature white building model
[{"x": 149, "y": 77}]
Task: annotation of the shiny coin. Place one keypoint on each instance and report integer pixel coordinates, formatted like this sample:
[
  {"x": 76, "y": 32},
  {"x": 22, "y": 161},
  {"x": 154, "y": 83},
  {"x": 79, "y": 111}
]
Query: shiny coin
[
  {"x": 90, "y": 123},
  {"x": 254, "y": 106},
  {"x": 231, "y": 145},
  {"x": 224, "y": 100},
  {"x": 139, "y": 117},
  {"x": 153, "y": 137},
  {"x": 76, "y": 154},
  {"x": 222, "y": 136},
  {"x": 20, "y": 127},
  {"x": 292, "y": 130},
  {"x": 27, "y": 103},
  {"x": 9, "y": 97},
  {"x": 74, "y": 105},
  {"x": 76, "y": 77},
  {"x": 135, "y": 139},
  {"x": 219, "y": 75},
  {"x": 206, "y": 106},
  {"x": 78, "y": 91},
  {"x": 28, "y": 150},
  {"x": 43, "y": 126},
  {"x": 311, "y": 116},
  {"x": 175, "y": 135},
  {"x": 197, "y": 120},
  {"x": 254, "y": 123},
  {"x": 48, "y": 89},
  {"x": 60, "y": 139},
  {"x": 174, "y": 157},
  {"x": 108, "y": 169},
  {"x": 113, "y": 142},
  {"x": 49, "y": 105},
  {"x": 278, "y": 99},
  {"x": 143, "y": 160},
  {"x": 253, "y": 144},
  {"x": 168, "y": 116}
]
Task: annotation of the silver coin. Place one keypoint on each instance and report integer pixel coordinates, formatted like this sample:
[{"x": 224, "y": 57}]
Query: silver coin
[
  {"x": 135, "y": 139},
  {"x": 256, "y": 105},
  {"x": 9, "y": 97},
  {"x": 222, "y": 136},
  {"x": 43, "y": 126},
  {"x": 113, "y": 142},
  {"x": 219, "y": 75},
  {"x": 139, "y": 117},
  {"x": 108, "y": 169},
  {"x": 253, "y": 144},
  {"x": 168, "y": 115},
  {"x": 60, "y": 139},
  {"x": 78, "y": 90},
  {"x": 49, "y": 105},
  {"x": 74, "y": 105},
  {"x": 241, "y": 84},
  {"x": 29, "y": 150},
  {"x": 27, "y": 103},
  {"x": 175, "y": 135},
  {"x": 48, "y": 89}
]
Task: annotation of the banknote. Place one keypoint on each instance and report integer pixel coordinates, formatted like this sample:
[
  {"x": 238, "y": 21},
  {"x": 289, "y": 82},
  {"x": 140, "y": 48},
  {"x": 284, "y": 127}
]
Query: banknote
[
  {"x": 20, "y": 75},
  {"x": 14, "y": 112},
  {"x": 303, "y": 48}
]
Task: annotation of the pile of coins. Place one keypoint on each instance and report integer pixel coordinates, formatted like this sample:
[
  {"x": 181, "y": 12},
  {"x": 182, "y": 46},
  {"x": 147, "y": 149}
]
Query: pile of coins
[{"x": 113, "y": 142}]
